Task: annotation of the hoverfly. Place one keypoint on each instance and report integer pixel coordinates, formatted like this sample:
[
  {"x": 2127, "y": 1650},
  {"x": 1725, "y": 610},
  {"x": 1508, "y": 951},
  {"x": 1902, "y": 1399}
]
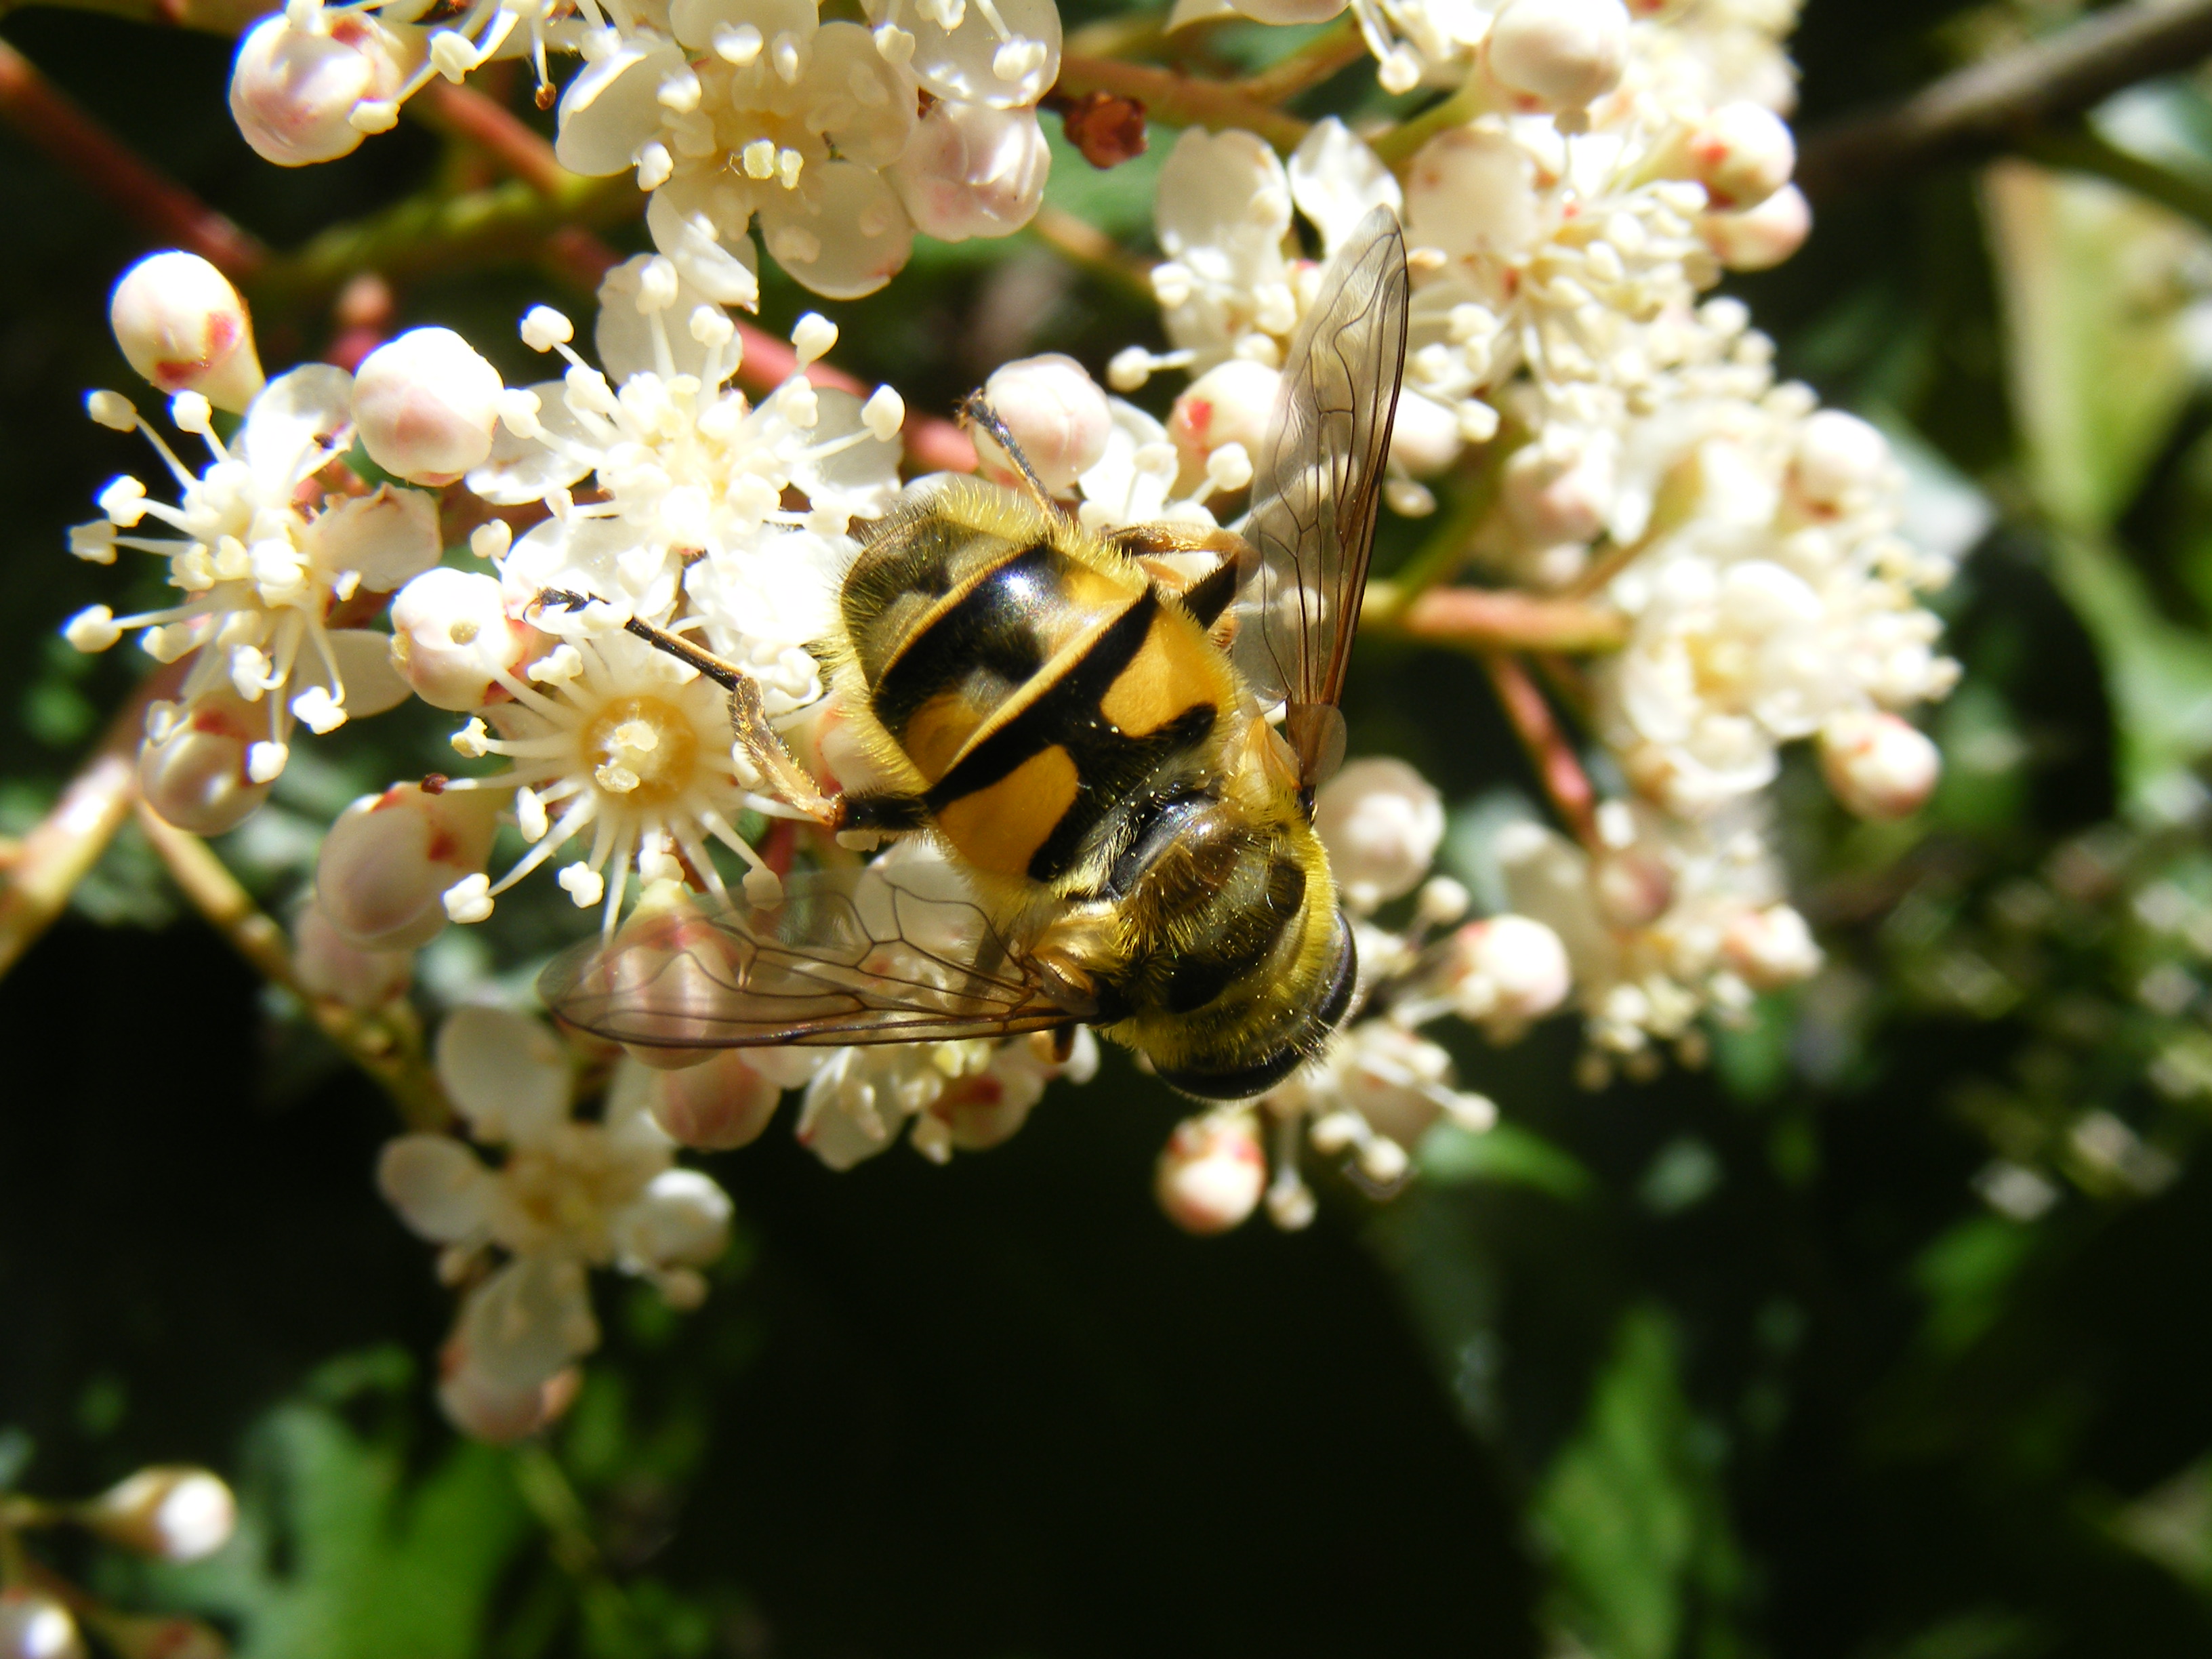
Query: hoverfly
[{"x": 1082, "y": 732}]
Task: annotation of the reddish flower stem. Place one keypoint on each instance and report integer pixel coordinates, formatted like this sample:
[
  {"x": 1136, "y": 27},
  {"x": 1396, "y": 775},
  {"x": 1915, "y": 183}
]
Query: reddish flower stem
[
  {"x": 504, "y": 139},
  {"x": 52, "y": 121},
  {"x": 1564, "y": 781},
  {"x": 61, "y": 850}
]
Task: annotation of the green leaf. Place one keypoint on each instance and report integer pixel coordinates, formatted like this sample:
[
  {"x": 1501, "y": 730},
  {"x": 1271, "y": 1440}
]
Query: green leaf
[
  {"x": 1630, "y": 1511},
  {"x": 348, "y": 1549},
  {"x": 1451, "y": 1156},
  {"x": 2092, "y": 310}
]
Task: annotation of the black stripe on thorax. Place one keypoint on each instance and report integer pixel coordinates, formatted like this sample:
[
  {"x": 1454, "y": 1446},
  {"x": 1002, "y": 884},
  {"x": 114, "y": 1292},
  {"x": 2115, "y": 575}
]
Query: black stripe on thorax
[
  {"x": 1113, "y": 771},
  {"x": 992, "y": 627}
]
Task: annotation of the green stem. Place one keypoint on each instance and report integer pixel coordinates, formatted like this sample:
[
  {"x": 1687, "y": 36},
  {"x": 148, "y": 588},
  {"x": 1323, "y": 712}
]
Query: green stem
[{"x": 2082, "y": 150}]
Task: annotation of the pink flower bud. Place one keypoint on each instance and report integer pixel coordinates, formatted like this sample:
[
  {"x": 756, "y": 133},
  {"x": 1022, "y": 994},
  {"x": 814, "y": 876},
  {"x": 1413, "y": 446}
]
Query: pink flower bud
[
  {"x": 1771, "y": 949},
  {"x": 184, "y": 327},
  {"x": 970, "y": 170},
  {"x": 1759, "y": 237},
  {"x": 387, "y": 861},
  {"x": 718, "y": 1104},
  {"x": 1382, "y": 823},
  {"x": 450, "y": 631},
  {"x": 35, "y": 1626},
  {"x": 173, "y": 1511},
  {"x": 1230, "y": 404},
  {"x": 327, "y": 965},
  {"x": 1878, "y": 765},
  {"x": 672, "y": 966},
  {"x": 425, "y": 405},
  {"x": 1056, "y": 413},
  {"x": 293, "y": 91},
  {"x": 1509, "y": 968},
  {"x": 1741, "y": 153},
  {"x": 1560, "y": 54},
  {"x": 1631, "y": 889},
  {"x": 1212, "y": 1173},
  {"x": 196, "y": 773}
]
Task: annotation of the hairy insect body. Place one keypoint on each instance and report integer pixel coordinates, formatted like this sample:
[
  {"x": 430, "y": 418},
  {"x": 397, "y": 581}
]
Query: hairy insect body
[{"x": 1077, "y": 741}]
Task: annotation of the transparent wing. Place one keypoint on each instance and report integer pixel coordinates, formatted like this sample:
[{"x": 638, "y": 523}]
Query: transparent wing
[
  {"x": 1316, "y": 489},
  {"x": 863, "y": 956}
]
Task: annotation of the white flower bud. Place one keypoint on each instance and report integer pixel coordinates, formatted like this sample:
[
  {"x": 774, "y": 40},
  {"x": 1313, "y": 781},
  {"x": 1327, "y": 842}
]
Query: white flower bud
[
  {"x": 1559, "y": 492},
  {"x": 971, "y": 170},
  {"x": 1562, "y": 54},
  {"x": 1425, "y": 436},
  {"x": 1508, "y": 969},
  {"x": 172, "y": 1511},
  {"x": 1759, "y": 237},
  {"x": 1771, "y": 949},
  {"x": 34, "y": 1625},
  {"x": 387, "y": 861},
  {"x": 1741, "y": 153},
  {"x": 1878, "y": 765},
  {"x": 1229, "y": 404},
  {"x": 450, "y": 632},
  {"x": 1838, "y": 456},
  {"x": 293, "y": 91},
  {"x": 720, "y": 1104},
  {"x": 1055, "y": 412},
  {"x": 183, "y": 326},
  {"x": 1212, "y": 1173},
  {"x": 425, "y": 405},
  {"x": 328, "y": 965},
  {"x": 682, "y": 1220},
  {"x": 1382, "y": 823},
  {"x": 196, "y": 773}
]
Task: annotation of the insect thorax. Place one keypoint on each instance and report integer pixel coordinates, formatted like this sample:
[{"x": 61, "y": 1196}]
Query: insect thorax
[{"x": 1039, "y": 693}]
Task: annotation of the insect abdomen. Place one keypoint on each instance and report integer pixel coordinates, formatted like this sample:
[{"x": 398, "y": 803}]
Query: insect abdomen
[{"x": 1037, "y": 687}]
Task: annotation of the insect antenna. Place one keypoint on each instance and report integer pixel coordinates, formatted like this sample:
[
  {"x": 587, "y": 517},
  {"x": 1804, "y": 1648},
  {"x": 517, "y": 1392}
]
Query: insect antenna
[{"x": 976, "y": 410}]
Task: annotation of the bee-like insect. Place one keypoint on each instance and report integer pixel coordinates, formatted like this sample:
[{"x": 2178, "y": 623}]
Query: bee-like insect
[{"x": 1082, "y": 730}]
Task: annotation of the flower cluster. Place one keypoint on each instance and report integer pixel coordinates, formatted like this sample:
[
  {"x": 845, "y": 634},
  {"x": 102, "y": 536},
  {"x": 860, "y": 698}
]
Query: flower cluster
[
  {"x": 839, "y": 140},
  {"x": 569, "y": 1194},
  {"x": 1590, "y": 177}
]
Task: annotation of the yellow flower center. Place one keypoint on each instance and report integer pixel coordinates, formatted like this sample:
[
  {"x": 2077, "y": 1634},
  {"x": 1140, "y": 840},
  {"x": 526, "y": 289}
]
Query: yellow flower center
[{"x": 643, "y": 749}]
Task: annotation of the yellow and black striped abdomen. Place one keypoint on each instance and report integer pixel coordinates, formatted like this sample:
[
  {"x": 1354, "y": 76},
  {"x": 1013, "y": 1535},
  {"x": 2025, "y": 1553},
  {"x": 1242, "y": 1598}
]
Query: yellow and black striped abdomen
[{"x": 1037, "y": 684}]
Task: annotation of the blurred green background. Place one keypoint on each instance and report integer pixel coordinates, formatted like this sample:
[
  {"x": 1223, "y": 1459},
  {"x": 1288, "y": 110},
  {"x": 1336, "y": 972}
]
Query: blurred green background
[{"x": 1887, "y": 1335}]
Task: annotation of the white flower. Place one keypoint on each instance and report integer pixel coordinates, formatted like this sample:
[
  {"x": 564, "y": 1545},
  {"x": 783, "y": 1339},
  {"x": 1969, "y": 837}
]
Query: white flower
[
  {"x": 261, "y": 557},
  {"x": 1005, "y": 53},
  {"x": 619, "y": 740},
  {"x": 688, "y": 473},
  {"x": 1704, "y": 930},
  {"x": 567, "y": 1195}
]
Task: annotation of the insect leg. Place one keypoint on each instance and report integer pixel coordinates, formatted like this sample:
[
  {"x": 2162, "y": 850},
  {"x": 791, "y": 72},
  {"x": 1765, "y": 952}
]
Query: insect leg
[{"x": 754, "y": 738}]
